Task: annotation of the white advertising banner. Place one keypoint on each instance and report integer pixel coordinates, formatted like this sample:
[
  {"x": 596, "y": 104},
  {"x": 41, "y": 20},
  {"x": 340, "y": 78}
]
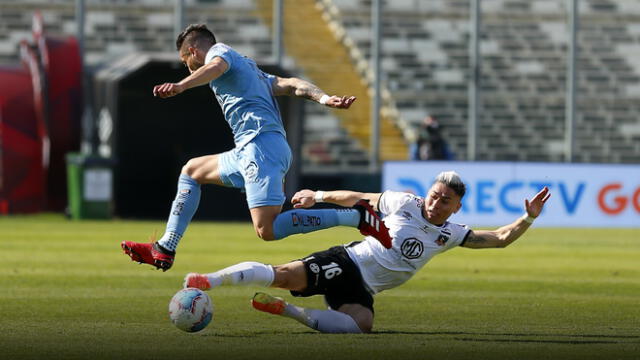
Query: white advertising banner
[{"x": 582, "y": 195}]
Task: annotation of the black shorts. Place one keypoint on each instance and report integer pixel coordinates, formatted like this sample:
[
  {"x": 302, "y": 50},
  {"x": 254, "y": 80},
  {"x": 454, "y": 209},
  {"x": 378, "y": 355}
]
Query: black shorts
[{"x": 333, "y": 274}]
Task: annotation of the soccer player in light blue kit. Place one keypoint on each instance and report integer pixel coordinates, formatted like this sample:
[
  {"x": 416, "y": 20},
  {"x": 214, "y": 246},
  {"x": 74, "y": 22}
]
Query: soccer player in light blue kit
[{"x": 261, "y": 157}]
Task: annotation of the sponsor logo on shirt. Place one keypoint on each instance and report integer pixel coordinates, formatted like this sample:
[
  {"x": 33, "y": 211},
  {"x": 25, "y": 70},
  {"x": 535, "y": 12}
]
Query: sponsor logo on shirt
[
  {"x": 314, "y": 268},
  {"x": 412, "y": 248}
]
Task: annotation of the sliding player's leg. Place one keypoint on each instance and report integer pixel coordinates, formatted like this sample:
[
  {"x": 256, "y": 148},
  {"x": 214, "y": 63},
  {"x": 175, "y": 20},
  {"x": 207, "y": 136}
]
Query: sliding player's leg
[
  {"x": 350, "y": 318},
  {"x": 291, "y": 276},
  {"x": 333, "y": 274},
  {"x": 244, "y": 273}
]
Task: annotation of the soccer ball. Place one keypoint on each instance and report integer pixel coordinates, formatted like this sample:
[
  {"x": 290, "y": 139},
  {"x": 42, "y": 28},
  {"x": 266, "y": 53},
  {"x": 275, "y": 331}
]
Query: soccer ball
[{"x": 190, "y": 310}]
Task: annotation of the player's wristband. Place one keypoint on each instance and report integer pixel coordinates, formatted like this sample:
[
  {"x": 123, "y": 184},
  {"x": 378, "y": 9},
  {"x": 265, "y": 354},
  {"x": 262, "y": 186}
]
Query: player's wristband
[
  {"x": 528, "y": 218},
  {"x": 319, "y": 197},
  {"x": 323, "y": 100}
]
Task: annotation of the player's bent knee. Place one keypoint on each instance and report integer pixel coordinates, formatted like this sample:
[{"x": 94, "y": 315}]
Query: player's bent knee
[
  {"x": 365, "y": 325},
  {"x": 361, "y": 315},
  {"x": 290, "y": 277},
  {"x": 191, "y": 169},
  {"x": 265, "y": 233},
  {"x": 264, "y": 230},
  {"x": 364, "y": 320}
]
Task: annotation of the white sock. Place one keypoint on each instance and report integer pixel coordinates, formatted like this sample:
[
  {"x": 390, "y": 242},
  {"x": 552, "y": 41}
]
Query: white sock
[
  {"x": 326, "y": 321},
  {"x": 246, "y": 273},
  {"x": 170, "y": 240}
]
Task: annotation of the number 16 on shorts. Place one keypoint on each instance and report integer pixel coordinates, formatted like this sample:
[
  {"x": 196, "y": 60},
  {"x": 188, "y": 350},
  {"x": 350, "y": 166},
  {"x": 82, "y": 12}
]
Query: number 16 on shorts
[{"x": 330, "y": 270}]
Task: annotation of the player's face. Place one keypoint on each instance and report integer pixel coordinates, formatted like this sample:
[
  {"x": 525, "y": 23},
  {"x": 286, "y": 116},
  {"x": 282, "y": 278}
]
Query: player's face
[
  {"x": 191, "y": 59},
  {"x": 440, "y": 203}
]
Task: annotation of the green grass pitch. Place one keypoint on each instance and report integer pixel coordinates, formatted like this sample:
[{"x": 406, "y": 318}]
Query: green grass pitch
[{"x": 68, "y": 292}]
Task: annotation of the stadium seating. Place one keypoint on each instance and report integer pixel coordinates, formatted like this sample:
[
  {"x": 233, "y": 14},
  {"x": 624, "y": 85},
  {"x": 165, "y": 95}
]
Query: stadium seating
[
  {"x": 523, "y": 44},
  {"x": 332, "y": 66},
  {"x": 425, "y": 61}
]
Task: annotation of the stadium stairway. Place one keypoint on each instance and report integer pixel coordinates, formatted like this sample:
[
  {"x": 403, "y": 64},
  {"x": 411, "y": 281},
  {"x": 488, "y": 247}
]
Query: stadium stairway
[
  {"x": 424, "y": 62},
  {"x": 324, "y": 53}
]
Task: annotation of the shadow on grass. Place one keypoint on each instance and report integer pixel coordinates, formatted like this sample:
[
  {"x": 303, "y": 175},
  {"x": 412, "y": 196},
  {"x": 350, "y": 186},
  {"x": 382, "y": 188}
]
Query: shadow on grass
[
  {"x": 577, "y": 339},
  {"x": 257, "y": 333},
  {"x": 589, "y": 338}
]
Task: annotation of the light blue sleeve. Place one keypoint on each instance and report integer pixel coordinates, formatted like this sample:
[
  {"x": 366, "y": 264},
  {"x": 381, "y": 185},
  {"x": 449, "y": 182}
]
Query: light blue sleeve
[
  {"x": 270, "y": 79},
  {"x": 220, "y": 50}
]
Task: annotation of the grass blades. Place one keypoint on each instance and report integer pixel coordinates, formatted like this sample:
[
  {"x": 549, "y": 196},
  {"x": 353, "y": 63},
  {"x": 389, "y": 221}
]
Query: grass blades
[{"x": 68, "y": 292}]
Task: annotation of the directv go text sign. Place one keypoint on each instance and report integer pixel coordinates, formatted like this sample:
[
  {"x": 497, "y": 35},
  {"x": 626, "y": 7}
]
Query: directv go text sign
[{"x": 582, "y": 195}]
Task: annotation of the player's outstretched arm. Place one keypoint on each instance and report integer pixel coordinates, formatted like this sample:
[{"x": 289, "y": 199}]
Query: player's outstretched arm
[
  {"x": 502, "y": 237},
  {"x": 307, "y": 198},
  {"x": 205, "y": 74},
  {"x": 304, "y": 89}
]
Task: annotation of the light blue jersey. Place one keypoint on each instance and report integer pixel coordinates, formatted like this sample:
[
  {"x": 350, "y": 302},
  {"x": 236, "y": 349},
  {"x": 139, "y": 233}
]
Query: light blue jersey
[
  {"x": 245, "y": 95},
  {"x": 259, "y": 161}
]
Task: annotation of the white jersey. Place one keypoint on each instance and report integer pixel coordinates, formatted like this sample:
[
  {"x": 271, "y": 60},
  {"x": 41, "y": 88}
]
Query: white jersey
[{"x": 415, "y": 242}]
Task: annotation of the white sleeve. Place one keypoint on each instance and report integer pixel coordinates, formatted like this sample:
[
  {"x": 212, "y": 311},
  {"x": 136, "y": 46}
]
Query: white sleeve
[
  {"x": 460, "y": 233},
  {"x": 391, "y": 201}
]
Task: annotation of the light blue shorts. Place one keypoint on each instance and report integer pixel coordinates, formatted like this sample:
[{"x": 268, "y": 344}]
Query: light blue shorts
[{"x": 259, "y": 168}]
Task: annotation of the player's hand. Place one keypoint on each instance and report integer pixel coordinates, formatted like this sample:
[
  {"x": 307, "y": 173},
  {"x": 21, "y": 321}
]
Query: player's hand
[
  {"x": 340, "y": 102},
  {"x": 303, "y": 199},
  {"x": 167, "y": 90},
  {"x": 534, "y": 207}
]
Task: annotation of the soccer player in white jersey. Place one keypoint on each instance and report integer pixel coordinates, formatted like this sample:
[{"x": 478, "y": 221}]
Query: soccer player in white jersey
[
  {"x": 349, "y": 275},
  {"x": 261, "y": 157}
]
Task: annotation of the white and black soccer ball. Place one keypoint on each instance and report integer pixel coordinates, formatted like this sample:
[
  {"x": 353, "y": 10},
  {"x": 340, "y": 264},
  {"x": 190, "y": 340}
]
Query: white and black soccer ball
[{"x": 191, "y": 310}]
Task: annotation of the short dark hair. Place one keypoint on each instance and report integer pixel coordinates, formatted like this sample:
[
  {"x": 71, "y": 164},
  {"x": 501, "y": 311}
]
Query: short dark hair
[{"x": 195, "y": 35}]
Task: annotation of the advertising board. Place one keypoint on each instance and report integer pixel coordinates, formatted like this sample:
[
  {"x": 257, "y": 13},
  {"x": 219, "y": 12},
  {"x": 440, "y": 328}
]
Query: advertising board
[{"x": 582, "y": 195}]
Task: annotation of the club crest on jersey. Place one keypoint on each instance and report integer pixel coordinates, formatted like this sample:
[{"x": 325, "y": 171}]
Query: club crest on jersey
[
  {"x": 442, "y": 239},
  {"x": 412, "y": 248},
  {"x": 251, "y": 172}
]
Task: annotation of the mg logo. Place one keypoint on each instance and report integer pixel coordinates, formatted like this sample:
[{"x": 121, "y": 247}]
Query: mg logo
[{"x": 411, "y": 248}]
